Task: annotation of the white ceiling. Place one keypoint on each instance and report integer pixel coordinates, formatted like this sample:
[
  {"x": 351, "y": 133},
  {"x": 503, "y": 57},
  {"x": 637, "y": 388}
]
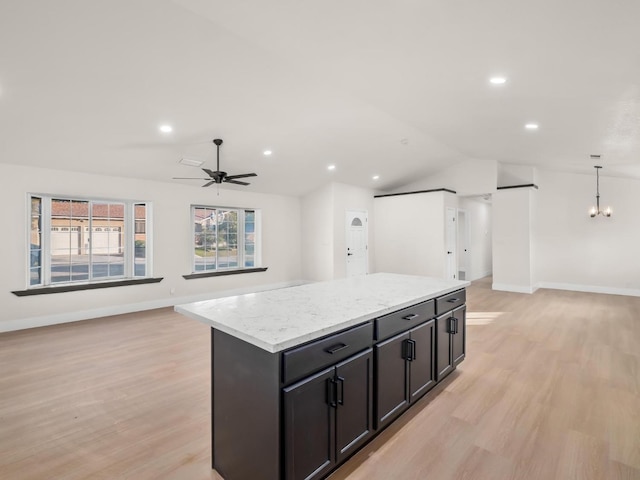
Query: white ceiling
[{"x": 84, "y": 86}]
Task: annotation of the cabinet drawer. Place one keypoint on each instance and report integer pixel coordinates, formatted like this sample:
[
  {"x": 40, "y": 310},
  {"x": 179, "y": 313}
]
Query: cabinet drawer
[
  {"x": 404, "y": 319},
  {"x": 450, "y": 301},
  {"x": 301, "y": 361}
]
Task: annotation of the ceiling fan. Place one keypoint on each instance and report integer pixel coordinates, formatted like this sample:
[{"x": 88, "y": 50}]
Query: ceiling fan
[{"x": 219, "y": 176}]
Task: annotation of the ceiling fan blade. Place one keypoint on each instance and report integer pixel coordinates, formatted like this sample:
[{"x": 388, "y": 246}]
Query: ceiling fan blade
[
  {"x": 226, "y": 180},
  {"x": 233, "y": 177},
  {"x": 209, "y": 183},
  {"x": 189, "y": 178},
  {"x": 211, "y": 173}
]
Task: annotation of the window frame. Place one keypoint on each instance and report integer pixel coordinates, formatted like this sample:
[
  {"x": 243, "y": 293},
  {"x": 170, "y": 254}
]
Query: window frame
[
  {"x": 128, "y": 240},
  {"x": 240, "y": 234}
]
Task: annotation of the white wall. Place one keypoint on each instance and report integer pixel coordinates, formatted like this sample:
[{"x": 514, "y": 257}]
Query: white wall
[
  {"x": 318, "y": 235},
  {"x": 324, "y": 239},
  {"x": 409, "y": 234},
  {"x": 510, "y": 175},
  {"x": 281, "y": 227},
  {"x": 469, "y": 177},
  {"x": 512, "y": 233},
  {"x": 576, "y": 252},
  {"x": 478, "y": 214}
]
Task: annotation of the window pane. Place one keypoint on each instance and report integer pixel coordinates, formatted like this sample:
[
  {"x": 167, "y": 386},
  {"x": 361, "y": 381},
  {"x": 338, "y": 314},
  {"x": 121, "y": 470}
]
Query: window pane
[
  {"x": 35, "y": 276},
  {"x": 140, "y": 240},
  {"x": 205, "y": 239},
  {"x": 107, "y": 239},
  {"x": 67, "y": 242},
  {"x": 85, "y": 240},
  {"x": 249, "y": 238},
  {"x": 217, "y": 243},
  {"x": 35, "y": 245}
]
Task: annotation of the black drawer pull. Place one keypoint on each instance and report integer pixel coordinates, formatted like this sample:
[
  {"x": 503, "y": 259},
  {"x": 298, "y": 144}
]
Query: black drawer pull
[
  {"x": 453, "y": 300},
  {"x": 336, "y": 348},
  {"x": 413, "y": 316}
]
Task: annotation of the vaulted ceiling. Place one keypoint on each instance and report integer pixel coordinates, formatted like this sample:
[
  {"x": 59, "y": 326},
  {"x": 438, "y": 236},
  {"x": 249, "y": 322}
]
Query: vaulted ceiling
[{"x": 396, "y": 89}]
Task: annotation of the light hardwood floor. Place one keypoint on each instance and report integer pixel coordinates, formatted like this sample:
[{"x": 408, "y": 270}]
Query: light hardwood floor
[{"x": 550, "y": 389}]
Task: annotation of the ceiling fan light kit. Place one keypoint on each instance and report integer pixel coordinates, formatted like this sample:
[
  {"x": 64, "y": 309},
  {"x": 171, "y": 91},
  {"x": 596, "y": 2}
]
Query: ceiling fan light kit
[{"x": 218, "y": 176}]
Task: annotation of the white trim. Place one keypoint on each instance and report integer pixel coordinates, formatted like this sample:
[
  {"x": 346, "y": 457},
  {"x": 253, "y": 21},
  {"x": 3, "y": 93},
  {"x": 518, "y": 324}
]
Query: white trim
[
  {"x": 68, "y": 317},
  {"x": 505, "y": 287},
  {"x": 480, "y": 275},
  {"x": 631, "y": 292}
]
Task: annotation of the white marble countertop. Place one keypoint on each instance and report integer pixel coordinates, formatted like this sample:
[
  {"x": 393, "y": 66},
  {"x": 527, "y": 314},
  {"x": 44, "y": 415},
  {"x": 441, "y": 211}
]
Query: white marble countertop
[{"x": 275, "y": 320}]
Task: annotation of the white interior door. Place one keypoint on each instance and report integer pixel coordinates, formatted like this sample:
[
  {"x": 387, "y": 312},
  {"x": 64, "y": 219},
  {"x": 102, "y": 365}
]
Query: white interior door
[
  {"x": 356, "y": 243},
  {"x": 451, "y": 265},
  {"x": 463, "y": 244}
]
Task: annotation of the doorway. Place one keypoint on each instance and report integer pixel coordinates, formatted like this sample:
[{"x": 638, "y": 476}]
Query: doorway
[{"x": 356, "y": 236}]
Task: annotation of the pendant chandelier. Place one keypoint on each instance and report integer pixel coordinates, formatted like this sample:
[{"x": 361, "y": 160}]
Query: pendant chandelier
[{"x": 595, "y": 211}]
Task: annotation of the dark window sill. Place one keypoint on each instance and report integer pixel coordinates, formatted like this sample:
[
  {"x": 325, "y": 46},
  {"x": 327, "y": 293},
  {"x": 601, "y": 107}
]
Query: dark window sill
[
  {"x": 84, "y": 286},
  {"x": 222, "y": 273}
]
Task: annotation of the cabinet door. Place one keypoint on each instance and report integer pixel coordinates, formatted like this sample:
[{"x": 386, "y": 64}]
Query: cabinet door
[
  {"x": 392, "y": 392},
  {"x": 421, "y": 371},
  {"x": 444, "y": 364},
  {"x": 309, "y": 426},
  {"x": 458, "y": 338},
  {"x": 354, "y": 397}
]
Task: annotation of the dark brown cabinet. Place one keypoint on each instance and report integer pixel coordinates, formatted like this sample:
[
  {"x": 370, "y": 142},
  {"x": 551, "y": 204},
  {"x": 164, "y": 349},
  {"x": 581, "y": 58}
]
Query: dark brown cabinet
[
  {"x": 404, "y": 371},
  {"x": 301, "y": 412},
  {"x": 450, "y": 341},
  {"x": 327, "y": 417}
]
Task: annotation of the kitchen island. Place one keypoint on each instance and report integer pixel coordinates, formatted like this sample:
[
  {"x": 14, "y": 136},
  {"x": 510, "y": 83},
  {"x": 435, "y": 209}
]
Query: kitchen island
[{"x": 302, "y": 377}]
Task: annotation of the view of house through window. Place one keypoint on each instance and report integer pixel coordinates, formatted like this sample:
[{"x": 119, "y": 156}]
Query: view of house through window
[
  {"x": 224, "y": 238},
  {"x": 86, "y": 240}
]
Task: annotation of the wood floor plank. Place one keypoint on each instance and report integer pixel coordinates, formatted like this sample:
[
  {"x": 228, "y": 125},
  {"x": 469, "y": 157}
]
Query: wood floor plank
[{"x": 550, "y": 389}]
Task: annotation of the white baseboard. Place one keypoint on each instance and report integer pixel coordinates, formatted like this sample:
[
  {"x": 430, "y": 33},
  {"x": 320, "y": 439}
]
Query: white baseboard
[
  {"x": 479, "y": 276},
  {"x": 505, "y": 287},
  {"x": 631, "y": 292},
  {"x": 46, "y": 320}
]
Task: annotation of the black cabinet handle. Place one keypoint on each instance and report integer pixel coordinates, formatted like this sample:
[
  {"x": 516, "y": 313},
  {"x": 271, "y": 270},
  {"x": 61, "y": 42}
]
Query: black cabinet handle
[
  {"x": 453, "y": 300},
  {"x": 409, "y": 350},
  {"x": 336, "y": 348},
  {"x": 340, "y": 394},
  {"x": 412, "y": 344},
  {"x": 413, "y": 316},
  {"x": 406, "y": 354},
  {"x": 332, "y": 393},
  {"x": 452, "y": 327}
]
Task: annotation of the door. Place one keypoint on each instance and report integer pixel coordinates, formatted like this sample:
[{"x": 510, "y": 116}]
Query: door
[
  {"x": 458, "y": 335},
  {"x": 451, "y": 244},
  {"x": 421, "y": 371},
  {"x": 463, "y": 245},
  {"x": 391, "y": 387},
  {"x": 443, "y": 346},
  {"x": 309, "y": 426},
  {"x": 356, "y": 243},
  {"x": 354, "y": 412}
]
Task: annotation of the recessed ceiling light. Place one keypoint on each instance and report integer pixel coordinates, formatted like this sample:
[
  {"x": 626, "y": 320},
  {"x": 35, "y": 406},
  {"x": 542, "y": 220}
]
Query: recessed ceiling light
[
  {"x": 331, "y": 167},
  {"x": 498, "y": 80},
  {"x": 376, "y": 177},
  {"x": 166, "y": 128},
  {"x": 531, "y": 126},
  {"x": 192, "y": 162},
  {"x": 267, "y": 152}
]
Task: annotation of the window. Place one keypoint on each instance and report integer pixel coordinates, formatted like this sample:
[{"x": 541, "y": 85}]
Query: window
[
  {"x": 225, "y": 238},
  {"x": 84, "y": 241}
]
